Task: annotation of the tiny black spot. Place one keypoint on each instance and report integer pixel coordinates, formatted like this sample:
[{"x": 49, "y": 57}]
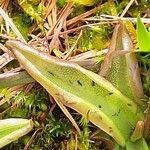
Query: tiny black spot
[
  {"x": 79, "y": 82},
  {"x": 117, "y": 113},
  {"x": 129, "y": 104},
  {"x": 113, "y": 114},
  {"x": 70, "y": 81},
  {"x": 51, "y": 73},
  {"x": 88, "y": 112},
  {"x": 132, "y": 129},
  {"x": 110, "y": 93},
  {"x": 110, "y": 130},
  {"x": 93, "y": 83},
  {"x": 99, "y": 106}
]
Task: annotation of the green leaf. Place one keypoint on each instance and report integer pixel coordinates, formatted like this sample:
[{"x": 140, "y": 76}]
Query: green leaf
[
  {"x": 82, "y": 90},
  {"x": 12, "y": 129},
  {"x": 138, "y": 145},
  {"x": 124, "y": 71},
  {"x": 143, "y": 36}
]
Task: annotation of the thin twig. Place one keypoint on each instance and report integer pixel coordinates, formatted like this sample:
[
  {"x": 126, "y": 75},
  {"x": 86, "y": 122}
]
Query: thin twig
[
  {"x": 76, "y": 141},
  {"x": 51, "y": 5},
  {"x": 134, "y": 20},
  {"x": 127, "y": 8},
  {"x": 4, "y": 5},
  {"x": 67, "y": 113},
  {"x": 112, "y": 19},
  {"x": 58, "y": 20},
  {"x": 67, "y": 11},
  {"x": 82, "y": 16},
  {"x": 6, "y": 50},
  {"x": 31, "y": 139},
  {"x": 88, "y": 55},
  {"x": 74, "y": 45}
]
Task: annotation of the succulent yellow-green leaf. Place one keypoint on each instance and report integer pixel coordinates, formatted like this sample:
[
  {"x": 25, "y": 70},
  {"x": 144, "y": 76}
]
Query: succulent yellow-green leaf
[
  {"x": 12, "y": 129},
  {"x": 82, "y": 90},
  {"x": 124, "y": 71},
  {"x": 121, "y": 69}
]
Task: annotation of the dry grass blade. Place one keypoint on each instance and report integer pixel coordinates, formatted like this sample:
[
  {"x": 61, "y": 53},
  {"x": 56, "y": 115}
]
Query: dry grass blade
[
  {"x": 4, "y": 5},
  {"x": 11, "y": 24},
  {"x": 10, "y": 79},
  {"x": 88, "y": 55},
  {"x": 132, "y": 19},
  {"x": 59, "y": 19},
  {"x": 68, "y": 115},
  {"x": 4, "y": 60},
  {"x": 49, "y": 8},
  {"x": 127, "y": 7},
  {"x": 6, "y": 50},
  {"x": 31, "y": 139},
  {"x": 82, "y": 16},
  {"x": 74, "y": 45},
  {"x": 55, "y": 41},
  {"x": 8, "y": 109}
]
